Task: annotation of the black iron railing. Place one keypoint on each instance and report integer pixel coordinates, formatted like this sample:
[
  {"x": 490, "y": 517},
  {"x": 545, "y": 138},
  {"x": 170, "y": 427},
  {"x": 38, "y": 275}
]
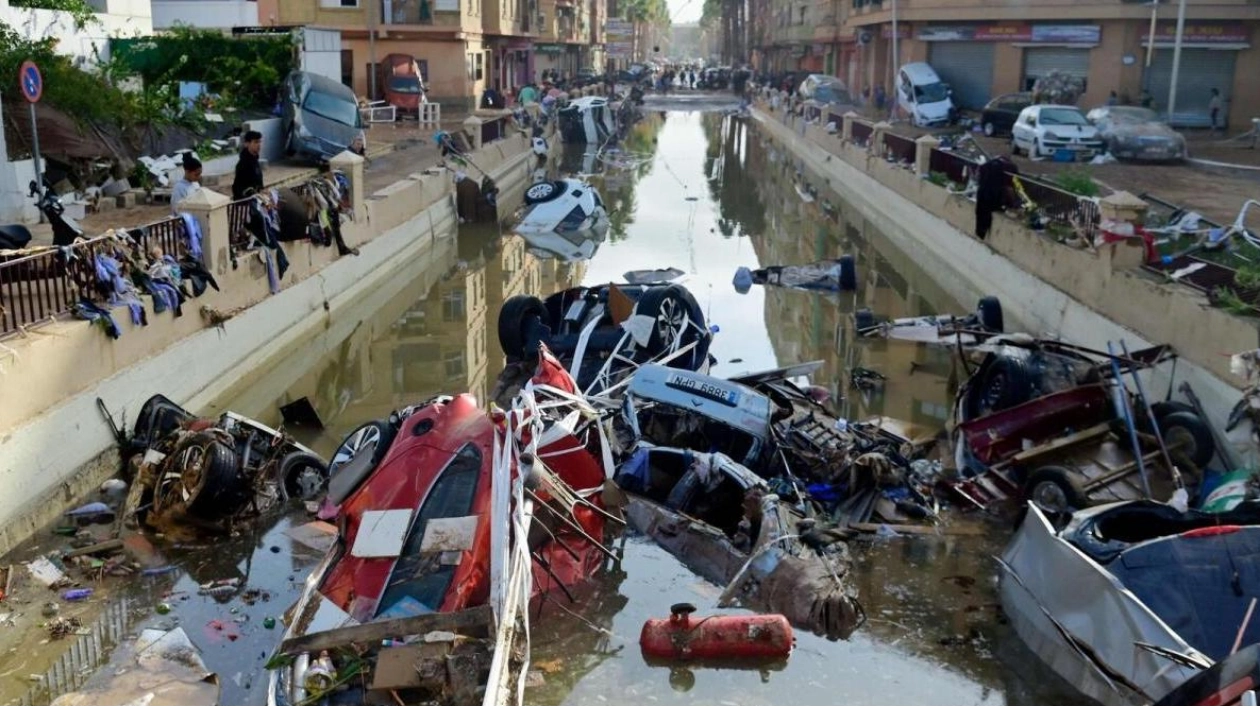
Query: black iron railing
[{"x": 901, "y": 149}]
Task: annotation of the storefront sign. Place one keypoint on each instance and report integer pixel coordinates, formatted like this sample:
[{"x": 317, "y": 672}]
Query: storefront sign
[
  {"x": 1012, "y": 32},
  {"x": 903, "y": 31},
  {"x": 1166, "y": 33},
  {"x": 620, "y": 38},
  {"x": 549, "y": 48},
  {"x": 817, "y": 49}
]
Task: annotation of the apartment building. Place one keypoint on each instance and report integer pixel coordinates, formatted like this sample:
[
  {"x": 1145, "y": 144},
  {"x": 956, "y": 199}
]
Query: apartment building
[
  {"x": 986, "y": 48},
  {"x": 446, "y": 37},
  {"x": 571, "y": 36}
]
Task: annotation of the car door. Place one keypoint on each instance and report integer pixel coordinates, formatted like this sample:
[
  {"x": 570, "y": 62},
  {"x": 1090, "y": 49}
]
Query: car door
[{"x": 1011, "y": 108}]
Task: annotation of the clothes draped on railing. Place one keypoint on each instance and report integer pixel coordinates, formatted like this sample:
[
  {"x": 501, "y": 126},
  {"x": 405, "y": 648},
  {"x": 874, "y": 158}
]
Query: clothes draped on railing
[
  {"x": 115, "y": 271},
  {"x": 263, "y": 225},
  {"x": 327, "y": 199}
]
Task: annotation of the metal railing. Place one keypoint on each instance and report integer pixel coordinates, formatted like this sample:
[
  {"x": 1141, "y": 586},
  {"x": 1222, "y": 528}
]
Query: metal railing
[
  {"x": 954, "y": 166},
  {"x": 170, "y": 235},
  {"x": 861, "y": 132},
  {"x": 1061, "y": 207},
  {"x": 38, "y": 288},
  {"x": 901, "y": 149},
  {"x": 238, "y": 219}
]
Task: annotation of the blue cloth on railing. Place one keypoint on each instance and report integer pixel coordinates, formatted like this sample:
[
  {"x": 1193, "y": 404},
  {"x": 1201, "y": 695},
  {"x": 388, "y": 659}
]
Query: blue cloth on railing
[
  {"x": 272, "y": 279},
  {"x": 165, "y": 297},
  {"x": 192, "y": 231},
  {"x": 96, "y": 314}
]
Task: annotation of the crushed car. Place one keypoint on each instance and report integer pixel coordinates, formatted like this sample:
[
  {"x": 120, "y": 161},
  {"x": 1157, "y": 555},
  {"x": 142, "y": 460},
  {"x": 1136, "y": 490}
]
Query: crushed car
[
  {"x": 1131, "y": 601},
  {"x": 939, "y": 329},
  {"x": 1050, "y": 422},
  {"x": 444, "y": 513},
  {"x": 213, "y": 473},
  {"x": 602, "y": 333},
  {"x": 722, "y": 521}
]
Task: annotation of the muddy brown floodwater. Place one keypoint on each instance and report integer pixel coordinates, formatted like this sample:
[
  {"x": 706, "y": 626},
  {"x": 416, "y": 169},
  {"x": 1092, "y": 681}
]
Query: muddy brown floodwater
[{"x": 703, "y": 192}]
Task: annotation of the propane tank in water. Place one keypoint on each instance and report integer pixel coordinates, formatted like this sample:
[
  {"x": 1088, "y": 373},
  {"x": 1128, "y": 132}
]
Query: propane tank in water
[{"x": 680, "y": 636}]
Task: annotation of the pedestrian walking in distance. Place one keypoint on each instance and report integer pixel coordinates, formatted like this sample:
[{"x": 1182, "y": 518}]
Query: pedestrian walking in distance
[{"x": 1214, "y": 109}]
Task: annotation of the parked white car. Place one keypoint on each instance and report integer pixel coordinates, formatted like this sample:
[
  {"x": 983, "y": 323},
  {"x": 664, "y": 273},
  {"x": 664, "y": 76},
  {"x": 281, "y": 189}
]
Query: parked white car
[{"x": 1043, "y": 130}]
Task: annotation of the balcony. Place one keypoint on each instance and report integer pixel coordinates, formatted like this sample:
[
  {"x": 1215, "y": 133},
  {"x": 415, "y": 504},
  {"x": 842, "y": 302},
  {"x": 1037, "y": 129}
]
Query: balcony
[{"x": 425, "y": 13}]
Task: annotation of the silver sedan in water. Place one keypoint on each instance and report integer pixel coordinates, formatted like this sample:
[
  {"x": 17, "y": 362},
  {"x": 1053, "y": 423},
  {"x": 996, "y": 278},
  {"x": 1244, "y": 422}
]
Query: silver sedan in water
[{"x": 1135, "y": 133}]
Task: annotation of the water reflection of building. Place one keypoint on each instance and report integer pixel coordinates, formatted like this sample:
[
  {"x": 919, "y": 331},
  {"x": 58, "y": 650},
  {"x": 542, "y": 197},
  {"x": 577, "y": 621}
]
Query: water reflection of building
[{"x": 803, "y": 220}]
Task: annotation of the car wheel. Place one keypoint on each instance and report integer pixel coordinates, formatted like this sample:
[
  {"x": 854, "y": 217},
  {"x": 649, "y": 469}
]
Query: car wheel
[
  {"x": 1014, "y": 146},
  {"x": 989, "y": 312},
  {"x": 1054, "y": 490},
  {"x": 1003, "y": 383},
  {"x": 371, "y": 437},
  {"x": 514, "y": 318},
  {"x": 204, "y": 475},
  {"x": 1190, "y": 434},
  {"x": 989, "y": 128},
  {"x": 305, "y": 475},
  {"x": 543, "y": 192},
  {"x": 677, "y": 322}
]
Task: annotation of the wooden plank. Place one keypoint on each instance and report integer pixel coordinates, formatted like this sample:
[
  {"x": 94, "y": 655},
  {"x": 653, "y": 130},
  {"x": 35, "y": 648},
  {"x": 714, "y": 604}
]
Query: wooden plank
[
  {"x": 378, "y": 630},
  {"x": 1060, "y": 443},
  {"x": 106, "y": 546}
]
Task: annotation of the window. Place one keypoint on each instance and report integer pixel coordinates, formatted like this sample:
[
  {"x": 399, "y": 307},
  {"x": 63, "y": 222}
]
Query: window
[
  {"x": 339, "y": 3},
  {"x": 801, "y": 21},
  {"x": 454, "y": 364},
  {"x": 453, "y": 309}
]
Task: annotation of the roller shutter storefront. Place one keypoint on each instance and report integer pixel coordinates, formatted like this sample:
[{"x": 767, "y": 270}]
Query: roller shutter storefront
[
  {"x": 1040, "y": 61},
  {"x": 968, "y": 69},
  {"x": 1201, "y": 71}
]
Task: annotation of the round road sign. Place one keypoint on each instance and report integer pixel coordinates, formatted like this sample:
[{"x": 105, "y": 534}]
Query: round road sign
[{"x": 31, "y": 81}]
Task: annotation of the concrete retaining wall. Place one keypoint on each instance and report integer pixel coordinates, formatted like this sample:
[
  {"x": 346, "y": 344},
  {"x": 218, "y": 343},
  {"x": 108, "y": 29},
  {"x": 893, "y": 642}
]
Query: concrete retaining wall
[
  {"x": 1083, "y": 296},
  {"x": 54, "y": 444}
]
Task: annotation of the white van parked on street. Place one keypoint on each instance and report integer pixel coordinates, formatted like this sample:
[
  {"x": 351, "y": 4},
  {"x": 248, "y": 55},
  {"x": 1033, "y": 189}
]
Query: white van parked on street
[{"x": 923, "y": 96}]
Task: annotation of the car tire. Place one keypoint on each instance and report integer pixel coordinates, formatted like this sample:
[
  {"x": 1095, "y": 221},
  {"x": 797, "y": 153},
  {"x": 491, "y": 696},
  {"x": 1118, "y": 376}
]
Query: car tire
[
  {"x": 513, "y": 320},
  {"x": 848, "y": 273},
  {"x": 543, "y": 192},
  {"x": 990, "y": 129},
  {"x": 209, "y": 477},
  {"x": 374, "y": 434},
  {"x": 304, "y": 474},
  {"x": 1002, "y": 384},
  {"x": 1188, "y": 431},
  {"x": 1014, "y": 146},
  {"x": 1055, "y": 491},
  {"x": 677, "y": 321},
  {"x": 864, "y": 320},
  {"x": 989, "y": 312}
]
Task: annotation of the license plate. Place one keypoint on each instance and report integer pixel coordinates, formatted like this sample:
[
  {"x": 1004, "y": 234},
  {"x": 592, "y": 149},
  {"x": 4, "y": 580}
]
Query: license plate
[{"x": 703, "y": 389}]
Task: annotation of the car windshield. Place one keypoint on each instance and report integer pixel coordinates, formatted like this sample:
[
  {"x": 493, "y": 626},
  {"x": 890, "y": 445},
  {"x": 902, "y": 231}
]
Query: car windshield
[
  {"x": 831, "y": 93},
  {"x": 403, "y": 84},
  {"x": 1062, "y": 116},
  {"x": 333, "y": 108},
  {"x": 1133, "y": 115},
  {"x": 931, "y": 93}
]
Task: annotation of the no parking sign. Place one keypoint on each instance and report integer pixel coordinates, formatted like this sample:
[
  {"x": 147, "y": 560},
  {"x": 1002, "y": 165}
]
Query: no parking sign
[{"x": 31, "y": 81}]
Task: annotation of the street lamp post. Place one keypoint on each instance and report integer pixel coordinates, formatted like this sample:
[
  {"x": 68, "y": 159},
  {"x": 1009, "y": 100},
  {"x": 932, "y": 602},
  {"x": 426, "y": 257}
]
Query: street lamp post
[
  {"x": 372, "y": 4},
  {"x": 896, "y": 57},
  {"x": 1176, "y": 67}
]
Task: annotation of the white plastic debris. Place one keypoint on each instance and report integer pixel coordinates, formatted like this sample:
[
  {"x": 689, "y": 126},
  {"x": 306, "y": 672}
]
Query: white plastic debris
[{"x": 45, "y": 572}]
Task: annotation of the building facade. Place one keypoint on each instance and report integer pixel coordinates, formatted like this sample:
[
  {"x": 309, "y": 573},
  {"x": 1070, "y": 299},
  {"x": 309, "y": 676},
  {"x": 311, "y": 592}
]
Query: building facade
[{"x": 988, "y": 48}]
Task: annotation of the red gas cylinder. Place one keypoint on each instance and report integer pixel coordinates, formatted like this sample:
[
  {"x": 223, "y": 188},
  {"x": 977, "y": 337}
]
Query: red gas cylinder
[{"x": 715, "y": 637}]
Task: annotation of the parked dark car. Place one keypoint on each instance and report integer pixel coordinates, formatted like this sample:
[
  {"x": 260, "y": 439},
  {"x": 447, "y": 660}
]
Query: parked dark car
[
  {"x": 1136, "y": 133},
  {"x": 1000, "y": 113},
  {"x": 321, "y": 117}
]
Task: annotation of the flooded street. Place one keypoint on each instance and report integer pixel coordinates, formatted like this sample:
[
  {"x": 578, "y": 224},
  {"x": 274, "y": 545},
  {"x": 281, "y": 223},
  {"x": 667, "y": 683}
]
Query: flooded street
[{"x": 702, "y": 192}]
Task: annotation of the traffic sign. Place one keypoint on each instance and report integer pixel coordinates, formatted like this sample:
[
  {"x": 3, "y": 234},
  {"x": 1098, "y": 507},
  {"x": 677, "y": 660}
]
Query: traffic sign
[{"x": 31, "y": 81}]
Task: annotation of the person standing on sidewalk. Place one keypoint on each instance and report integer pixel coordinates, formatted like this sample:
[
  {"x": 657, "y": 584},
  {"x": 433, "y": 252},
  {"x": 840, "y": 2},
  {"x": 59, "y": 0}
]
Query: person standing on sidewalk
[
  {"x": 1214, "y": 109},
  {"x": 249, "y": 176}
]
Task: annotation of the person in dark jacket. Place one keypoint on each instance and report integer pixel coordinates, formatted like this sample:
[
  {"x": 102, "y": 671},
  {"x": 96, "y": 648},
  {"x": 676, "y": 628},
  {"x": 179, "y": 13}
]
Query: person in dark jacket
[
  {"x": 991, "y": 192},
  {"x": 249, "y": 176}
]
